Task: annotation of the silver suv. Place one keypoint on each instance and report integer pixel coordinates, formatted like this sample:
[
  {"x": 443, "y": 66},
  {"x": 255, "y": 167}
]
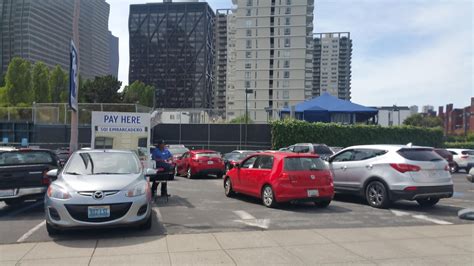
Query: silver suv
[
  {"x": 386, "y": 173},
  {"x": 320, "y": 149}
]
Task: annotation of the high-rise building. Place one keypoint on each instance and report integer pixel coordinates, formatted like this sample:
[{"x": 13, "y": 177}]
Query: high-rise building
[
  {"x": 332, "y": 64},
  {"x": 113, "y": 55},
  {"x": 41, "y": 30},
  {"x": 270, "y": 57},
  {"x": 220, "y": 74},
  {"x": 172, "y": 48}
]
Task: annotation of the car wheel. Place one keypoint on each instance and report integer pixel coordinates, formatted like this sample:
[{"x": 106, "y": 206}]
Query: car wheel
[
  {"x": 189, "y": 174},
  {"x": 454, "y": 168},
  {"x": 51, "y": 230},
  {"x": 376, "y": 195},
  {"x": 147, "y": 224},
  {"x": 229, "y": 192},
  {"x": 268, "y": 197},
  {"x": 322, "y": 203},
  {"x": 14, "y": 202},
  {"x": 429, "y": 202}
]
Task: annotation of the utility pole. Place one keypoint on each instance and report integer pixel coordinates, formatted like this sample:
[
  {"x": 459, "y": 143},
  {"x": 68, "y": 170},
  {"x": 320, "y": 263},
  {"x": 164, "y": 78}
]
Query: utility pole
[
  {"x": 247, "y": 91},
  {"x": 74, "y": 79}
]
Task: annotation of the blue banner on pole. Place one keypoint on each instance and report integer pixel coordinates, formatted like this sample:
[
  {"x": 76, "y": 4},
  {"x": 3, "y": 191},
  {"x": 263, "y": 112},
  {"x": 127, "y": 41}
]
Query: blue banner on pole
[{"x": 73, "y": 78}]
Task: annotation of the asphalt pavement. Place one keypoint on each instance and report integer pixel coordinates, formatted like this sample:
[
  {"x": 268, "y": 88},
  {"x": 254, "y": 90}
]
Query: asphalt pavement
[{"x": 200, "y": 206}]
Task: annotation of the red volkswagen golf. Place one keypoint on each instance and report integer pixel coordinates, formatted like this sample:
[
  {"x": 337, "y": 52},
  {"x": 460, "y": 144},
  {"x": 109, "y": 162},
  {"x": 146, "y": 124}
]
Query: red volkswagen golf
[
  {"x": 200, "y": 162},
  {"x": 281, "y": 177}
]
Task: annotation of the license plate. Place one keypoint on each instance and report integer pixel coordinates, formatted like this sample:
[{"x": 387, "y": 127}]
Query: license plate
[
  {"x": 98, "y": 212},
  {"x": 210, "y": 162},
  {"x": 313, "y": 193},
  {"x": 7, "y": 192}
]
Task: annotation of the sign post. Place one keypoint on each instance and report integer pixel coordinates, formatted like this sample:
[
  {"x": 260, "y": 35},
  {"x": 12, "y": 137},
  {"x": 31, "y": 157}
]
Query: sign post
[{"x": 73, "y": 97}]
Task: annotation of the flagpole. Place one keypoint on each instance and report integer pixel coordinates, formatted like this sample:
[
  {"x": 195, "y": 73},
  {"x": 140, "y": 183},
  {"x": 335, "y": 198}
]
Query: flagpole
[{"x": 74, "y": 80}]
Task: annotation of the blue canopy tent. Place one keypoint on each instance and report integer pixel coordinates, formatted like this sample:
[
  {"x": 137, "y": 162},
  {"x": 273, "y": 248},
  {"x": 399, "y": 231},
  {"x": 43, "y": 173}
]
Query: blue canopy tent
[{"x": 327, "y": 108}]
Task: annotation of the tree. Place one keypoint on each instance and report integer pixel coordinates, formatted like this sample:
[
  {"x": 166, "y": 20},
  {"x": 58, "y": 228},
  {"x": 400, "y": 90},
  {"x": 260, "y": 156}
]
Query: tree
[
  {"x": 58, "y": 84},
  {"x": 139, "y": 92},
  {"x": 101, "y": 90},
  {"x": 40, "y": 83},
  {"x": 420, "y": 120},
  {"x": 18, "y": 82}
]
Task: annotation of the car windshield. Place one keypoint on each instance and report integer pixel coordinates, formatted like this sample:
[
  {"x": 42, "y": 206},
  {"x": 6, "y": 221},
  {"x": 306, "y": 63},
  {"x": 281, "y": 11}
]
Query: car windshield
[
  {"x": 467, "y": 152},
  {"x": 32, "y": 157},
  {"x": 178, "y": 150},
  {"x": 238, "y": 156},
  {"x": 304, "y": 164},
  {"x": 424, "y": 155},
  {"x": 208, "y": 154},
  {"x": 95, "y": 163},
  {"x": 320, "y": 149}
]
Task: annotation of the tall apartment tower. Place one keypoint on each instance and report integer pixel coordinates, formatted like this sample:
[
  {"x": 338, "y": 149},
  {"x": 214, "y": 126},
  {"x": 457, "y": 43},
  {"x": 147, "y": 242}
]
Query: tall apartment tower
[
  {"x": 332, "y": 64},
  {"x": 41, "y": 30},
  {"x": 172, "y": 48},
  {"x": 270, "y": 57},
  {"x": 220, "y": 74}
]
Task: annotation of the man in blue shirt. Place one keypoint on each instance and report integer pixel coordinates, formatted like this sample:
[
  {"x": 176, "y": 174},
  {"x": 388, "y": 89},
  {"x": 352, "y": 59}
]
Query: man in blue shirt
[{"x": 160, "y": 154}]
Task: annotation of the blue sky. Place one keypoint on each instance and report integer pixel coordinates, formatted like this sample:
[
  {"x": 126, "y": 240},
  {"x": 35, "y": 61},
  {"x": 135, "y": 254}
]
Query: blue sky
[{"x": 405, "y": 52}]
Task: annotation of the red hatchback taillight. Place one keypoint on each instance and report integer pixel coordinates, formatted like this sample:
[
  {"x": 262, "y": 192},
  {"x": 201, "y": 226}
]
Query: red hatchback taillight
[
  {"x": 286, "y": 177},
  {"x": 403, "y": 167}
]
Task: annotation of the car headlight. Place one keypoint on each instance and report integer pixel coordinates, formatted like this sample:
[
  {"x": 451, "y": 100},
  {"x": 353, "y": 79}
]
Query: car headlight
[
  {"x": 138, "y": 190},
  {"x": 58, "y": 192}
]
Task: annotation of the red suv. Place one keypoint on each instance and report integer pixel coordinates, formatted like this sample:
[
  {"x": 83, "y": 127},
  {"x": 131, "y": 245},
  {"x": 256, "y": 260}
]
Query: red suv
[
  {"x": 282, "y": 177},
  {"x": 200, "y": 162}
]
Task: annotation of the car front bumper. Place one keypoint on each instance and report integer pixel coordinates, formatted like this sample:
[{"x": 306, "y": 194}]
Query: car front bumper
[
  {"x": 69, "y": 214},
  {"x": 423, "y": 192}
]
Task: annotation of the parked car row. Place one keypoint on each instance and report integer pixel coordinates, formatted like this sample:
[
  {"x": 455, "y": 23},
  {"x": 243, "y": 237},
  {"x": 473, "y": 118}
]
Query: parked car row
[{"x": 381, "y": 174}]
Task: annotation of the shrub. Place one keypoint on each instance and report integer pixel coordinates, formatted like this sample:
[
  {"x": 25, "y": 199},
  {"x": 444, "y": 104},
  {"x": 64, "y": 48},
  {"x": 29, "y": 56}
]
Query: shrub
[
  {"x": 460, "y": 145},
  {"x": 288, "y": 132}
]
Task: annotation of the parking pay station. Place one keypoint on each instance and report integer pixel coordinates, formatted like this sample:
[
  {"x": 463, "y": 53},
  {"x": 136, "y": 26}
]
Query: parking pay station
[{"x": 122, "y": 131}]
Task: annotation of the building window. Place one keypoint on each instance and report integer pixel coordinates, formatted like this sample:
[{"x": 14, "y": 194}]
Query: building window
[
  {"x": 286, "y": 74},
  {"x": 248, "y": 65},
  {"x": 286, "y": 94},
  {"x": 335, "y": 46},
  {"x": 286, "y": 64},
  {"x": 104, "y": 143},
  {"x": 249, "y": 12},
  {"x": 247, "y": 84},
  {"x": 287, "y": 42},
  {"x": 288, "y": 2},
  {"x": 249, "y": 44},
  {"x": 249, "y": 2},
  {"x": 287, "y": 21},
  {"x": 286, "y": 83},
  {"x": 249, "y": 33},
  {"x": 287, "y": 31},
  {"x": 286, "y": 54},
  {"x": 248, "y": 54},
  {"x": 247, "y": 74},
  {"x": 248, "y": 23},
  {"x": 285, "y": 104},
  {"x": 288, "y": 10}
]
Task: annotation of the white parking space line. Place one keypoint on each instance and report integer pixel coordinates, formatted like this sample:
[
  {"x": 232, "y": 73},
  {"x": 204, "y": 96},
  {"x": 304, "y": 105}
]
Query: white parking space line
[
  {"x": 433, "y": 220},
  {"x": 31, "y": 231},
  {"x": 158, "y": 213},
  {"x": 420, "y": 217},
  {"x": 244, "y": 215}
]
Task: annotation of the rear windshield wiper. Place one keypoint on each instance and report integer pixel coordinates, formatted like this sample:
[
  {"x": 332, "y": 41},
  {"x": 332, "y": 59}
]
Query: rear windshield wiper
[
  {"x": 106, "y": 173},
  {"x": 72, "y": 173}
]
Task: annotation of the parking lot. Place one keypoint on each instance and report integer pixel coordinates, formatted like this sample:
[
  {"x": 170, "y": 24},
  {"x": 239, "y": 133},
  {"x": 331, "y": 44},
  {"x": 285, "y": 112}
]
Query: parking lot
[{"x": 200, "y": 206}]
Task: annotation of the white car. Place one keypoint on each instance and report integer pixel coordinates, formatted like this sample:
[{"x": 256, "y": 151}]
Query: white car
[{"x": 463, "y": 159}]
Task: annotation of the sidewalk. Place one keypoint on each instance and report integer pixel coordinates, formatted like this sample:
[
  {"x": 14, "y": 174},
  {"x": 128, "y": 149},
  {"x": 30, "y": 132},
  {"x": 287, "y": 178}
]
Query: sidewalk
[{"x": 421, "y": 245}]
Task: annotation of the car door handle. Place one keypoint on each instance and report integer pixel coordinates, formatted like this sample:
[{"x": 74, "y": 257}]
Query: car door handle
[{"x": 369, "y": 166}]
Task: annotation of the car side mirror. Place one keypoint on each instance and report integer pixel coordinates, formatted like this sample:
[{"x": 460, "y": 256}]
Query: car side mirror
[
  {"x": 237, "y": 165},
  {"x": 53, "y": 174},
  {"x": 150, "y": 172}
]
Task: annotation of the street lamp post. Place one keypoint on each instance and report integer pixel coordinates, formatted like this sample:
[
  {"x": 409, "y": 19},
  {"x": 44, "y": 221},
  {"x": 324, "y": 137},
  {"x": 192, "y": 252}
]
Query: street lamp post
[
  {"x": 247, "y": 92},
  {"x": 396, "y": 109}
]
